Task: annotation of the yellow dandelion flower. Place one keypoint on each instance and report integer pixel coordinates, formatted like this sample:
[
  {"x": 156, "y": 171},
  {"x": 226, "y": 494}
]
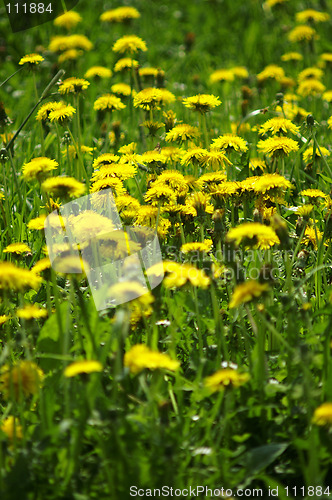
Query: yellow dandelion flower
[
  {"x": 200, "y": 202},
  {"x": 152, "y": 127},
  {"x": 122, "y": 171},
  {"x": 85, "y": 367},
  {"x": 202, "y": 103},
  {"x": 129, "y": 43},
  {"x": 308, "y": 153},
  {"x": 62, "y": 114},
  {"x": 175, "y": 180},
  {"x": 257, "y": 163},
  {"x": 277, "y": 145},
  {"x": 37, "y": 223},
  {"x": 310, "y": 87},
  {"x": 68, "y": 20},
  {"x": 17, "y": 248},
  {"x": 193, "y": 155},
  {"x": 311, "y": 15},
  {"x": 253, "y": 234},
  {"x": 121, "y": 88},
  {"x": 105, "y": 159},
  {"x": 41, "y": 265},
  {"x": 17, "y": 279},
  {"x": 197, "y": 246},
  {"x": 205, "y": 181},
  {"x": 108, "y": 183},
  {"x": 215, "y": 160},
  {"x": 152, "y": 157},
  {"x": 125, "y": 63},
  {"x": 222, "y": 75},
  {"x": 141, "y": 357},
  {"x": 327, "y": 96},
  {"x": 12, "y": 428},
  {"x": 272, "y": 3},
  {"x": 323, "y": 414},
  {"x": 246, "y": 292},
  {"x": 3, "y": 319},
  {"x": 166, "y": 97},
  {"x": 148, "y": 98},
  {"x": 31, "y": 59},
  {"x": 292, "y": 56},
  {"x": 312, "y": 72},
  {"x": 182, "y": 132},
  {"x": 302, "y": 33},
  {"x": 229, "y": 142},
  {"x": 304, "y": 210},
  {"x": 108, "y": 102},
  {"x": 329, "y": 122},
  {"x": 24, "y": 378},
  {"x": 159, "y": 194},
  {"x": 31, "y": 311},
  {"x": 62, "y": 43},
  {"x": 272, "y": 71},
  {"x": 278, "y": 126},
  {"x": 120, "y": 15},
  {"x": 69, "y": 55},
  {"x": 312, "y": 236},
  {"x": 73, "y": 85},
  {"x": 227, "y": 377},
  {"x": 314, "y": 193},
  {"x": 269, "y": 183},
  {"x": 72, "y": 151},
  {"x": 98, "y": 72},
  {"x": 64, "y": 187},
  {"x": 240, "y": 72},
  {"x": 45, "y": 109},
  {"x": 126, "y": 202}
]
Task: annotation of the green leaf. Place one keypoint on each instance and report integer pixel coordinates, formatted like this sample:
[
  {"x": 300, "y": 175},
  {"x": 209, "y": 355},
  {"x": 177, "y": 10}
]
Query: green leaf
[{"x": 260, "y": 458}]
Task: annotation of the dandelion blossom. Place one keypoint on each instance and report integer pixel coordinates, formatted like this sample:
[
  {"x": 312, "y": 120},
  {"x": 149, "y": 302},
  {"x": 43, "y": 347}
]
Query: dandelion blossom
[
  {"x": 302, "y": 33},
  {"x": 226, "y": 378},
  {"x": 120, "y": 15},
  {"x": 99, "y": 72},
  {"x": 229, "y": 142},
  {"x": 108, "y": 102},
  {"x": 68, "y": 20},
  {"x": 85, "y": 367},
  {"x": 64, "y": 187},
  {"x": 31, "y": 60},
  {"x": 278, "y": 145},
  {"x": 323, "y": 415},
  {"x": 253, "y": 234},
  {"x": 73, "y": 85},
  {"x": 21, "y": 379},
  {"x": 246, "y": 292},
  {"x": 129, "y": 43},
  {"x": 141, "y": 357},
  {"x": 182, "y": 132},
  {"x": 202, "y": 103}
]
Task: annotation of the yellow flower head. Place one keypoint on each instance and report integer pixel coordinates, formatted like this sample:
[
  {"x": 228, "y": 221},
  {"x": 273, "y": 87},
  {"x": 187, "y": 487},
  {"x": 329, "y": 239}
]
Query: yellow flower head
[
  {"x": 292, "y": 56},
  {"x": 62, "y": 43},
  {"x": 129, "y": 43},
  {"x": 178, "y": 275},
  {"x": 21, "y": 379},
  {"x": 108, "y": 183},
  {"x": 222, "y": 75},
  {"x": 323, "y": 414},
  {"x": 45, "y": 109},
  {"x": 227, "y": 377},
  {"x": 121, "y": 89},
  {"x": 240, "y": 72},
  {"x": 257, "y": 163},
  {"x": 312, "y": 236},
  {"x": 31, "y": 311},
  {"x": 160, "y": 194},
  {"x": 329, "y": 122},
  {"x": 202, "y": 103},
  {"x": 197, "y": 246},
  {"x": 37, "y": 223},
  {"x": 120, "y": 15},
  {"x": 122, "y": 171},
  {"x": 16, "y": 279},
  {"x": 175, "y": 180},
  {"x": 69, "y": 55},
  {"x": 247, "y": 291},
  {"x": 308, "y": 153},
  {"x": 253, "y": 235},
  {"x": 270, "y": 183},
  {"x": 98, "y": 72},
  {"x": 148, "y": 98},
  {"x": 302, "y": 33},
  {"x": 38, "y": 168},
  {"x": 125, "y": 63},
  {"x": 31, "y": 60},
  {"x": 12, "y": 428},
  {"x": 141, "y": 357},
  {"x": 307, "y": 73},
  {"x": 85, "y": 367},
  {"x": 327, "y": 96},
  {"x": 64, "y": 187},
  {"x": 41, "y": 265},
  {"x": 62, "y": 114},
  {"x": 68, "y": 20},
  {"x": 278, "y": 126},
  {"x": 193, "y": 155},
  {"x": 108, "y": 102},
  {"x": 311, "y": 86},
  {"x": 229, "y": 142},
  {"x": 277, "y": 145},
  {"x": 182, "y": 132},
  {"x": 311, "y": 15},
  {"x": 271, "y": 71},
  {"x": 17, "y": 248},
  {"x": 73, "y": 85}
]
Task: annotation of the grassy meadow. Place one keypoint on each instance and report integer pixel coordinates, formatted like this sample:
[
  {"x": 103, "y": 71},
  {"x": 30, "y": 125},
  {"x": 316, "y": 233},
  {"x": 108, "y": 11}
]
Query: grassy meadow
[{"x": 210, "y": 121}]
